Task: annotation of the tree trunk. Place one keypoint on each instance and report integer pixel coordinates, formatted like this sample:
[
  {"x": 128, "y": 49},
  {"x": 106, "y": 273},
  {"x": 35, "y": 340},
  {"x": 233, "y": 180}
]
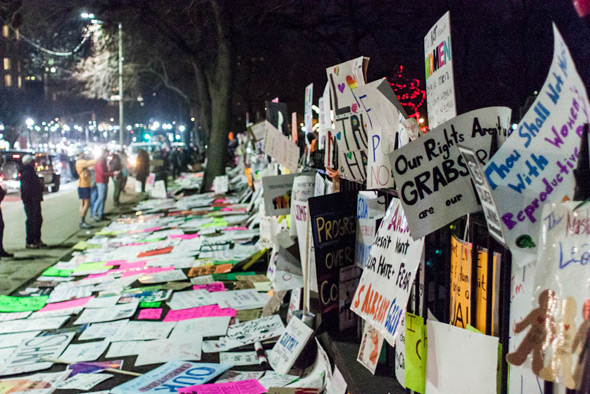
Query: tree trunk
[{"x": 220, "y": 85}]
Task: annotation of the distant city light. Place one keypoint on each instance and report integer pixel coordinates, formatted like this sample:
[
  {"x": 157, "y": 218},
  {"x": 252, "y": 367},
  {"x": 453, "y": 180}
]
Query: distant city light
[
  {"x": 181, "y": 128},
  {"x": 514, "y": 126},
  {"x": 30, "y": 122},
  {"x": 421, "y": 120},
  {"x": 129, "y": 128}
]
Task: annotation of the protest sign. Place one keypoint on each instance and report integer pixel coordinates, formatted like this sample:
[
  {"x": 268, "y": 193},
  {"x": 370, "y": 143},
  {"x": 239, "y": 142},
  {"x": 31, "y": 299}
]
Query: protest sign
[
  {"x": 49, "y": 323},
  {"x": 276, "y": 115},
  {"x": 400, "y": 353},
  {"x": 289, "y": 346},
  {"x": 173, "y": 375},
  {"x": 333, "y": 225},
  {"x": 438, "y": 66},
  {"x": 370, "y": 348},
  {"x": 238, "y": 358},
  {"x": 247, "y": 333},
  {"x": 39, "y": 383},
  {"x": 221, "y": 184},
  {"x": 415, "y": 352},
  {"x": 280, "y": 148},
  {"x": 116, "y": 312},
  {"x": 559, "y": 320},
  {"x": 370, "y": 209},
  {"x": 277, "y": 194},
  {"x": 482, "y": 187},
  {"x": 431, "y": 175},
  {"x": 460, "y": 286},
  {"x": 190, "y": 299},
  {"x": 460, "y": 361},
  {"x": 535, "y": 164},
  {"x": 89, "y": 351},
  {"x": 325, "y": 119},
  {"x": 21, "y": 304},
  {"x": 205, "y": 326},
  {"x": 350, "y": 120},
  {"x": 240, "y": 299},
  {"x": 308, "y": 113},
  {"x": 28, "y": 356},
  {"x": 303, "y": 189},
  {"x": 84, "y": 381},
  {"x": 202, "y": 311},
  {"x": 250, "y": 386},
  {"x": 384, "y": 287}
]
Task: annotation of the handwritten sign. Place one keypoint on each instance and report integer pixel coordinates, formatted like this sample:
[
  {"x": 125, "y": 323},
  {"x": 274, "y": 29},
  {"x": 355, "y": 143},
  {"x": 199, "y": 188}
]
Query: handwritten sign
[
  {"x": 432, "y": 177},
  {"x": 202, "y": 311},
  {"x": 416, "y": 346},
  {"x": 308, "y": 113},
  {"x": 384, "y": 288},
  {"x": 250, "y": 386},
  {"x": 289, "y": 346},
  {"x": 172, "y": 377},
  {"x": 535, "y": 164},
  {"x": 438, "y": 66},
  {"x": 370, "y": 208},
  {"x": 276, "y": 115},
  {"x": 277, "y": 194},
  {"x": 333, "y": 225},
  {"x": 351, "y": 121},
  {"x": 280, "y": 148},
  {"x": 370, "y": 348}
]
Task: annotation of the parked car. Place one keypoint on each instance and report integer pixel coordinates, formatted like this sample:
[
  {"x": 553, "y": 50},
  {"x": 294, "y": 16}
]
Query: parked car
[{"x": 12, "y": 162}]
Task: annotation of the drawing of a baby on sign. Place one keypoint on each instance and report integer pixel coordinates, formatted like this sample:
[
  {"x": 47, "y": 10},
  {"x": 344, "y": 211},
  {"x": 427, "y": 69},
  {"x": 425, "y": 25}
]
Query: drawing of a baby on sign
[
  {"x": 350, "y": 120},
  {"x": 559, "y": 322}
]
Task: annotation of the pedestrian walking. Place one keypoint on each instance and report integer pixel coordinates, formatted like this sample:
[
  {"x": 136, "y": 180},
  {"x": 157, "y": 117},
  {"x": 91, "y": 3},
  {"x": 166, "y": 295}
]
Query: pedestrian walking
[
  {"x": 142, "y": 168},
  {"x": 83, "y": 167},
  {"x": 3, "y": 252},
  {"x": 116, "y": 167},
  {"x": 124, "y": 169},
  {"x": 101, "y": 176},
  {"x": 31, "y": 189}
]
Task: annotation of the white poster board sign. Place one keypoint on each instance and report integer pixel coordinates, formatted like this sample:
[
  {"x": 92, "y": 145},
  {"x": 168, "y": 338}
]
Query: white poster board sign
[{"x": 289, "y": 346}]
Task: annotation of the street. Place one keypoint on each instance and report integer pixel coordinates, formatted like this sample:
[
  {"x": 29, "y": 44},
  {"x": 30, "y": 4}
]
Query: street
[{"x": 60, "y": 231}]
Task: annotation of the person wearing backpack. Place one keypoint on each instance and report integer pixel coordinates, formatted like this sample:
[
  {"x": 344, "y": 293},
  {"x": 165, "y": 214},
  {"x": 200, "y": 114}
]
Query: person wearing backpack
[{"x": 84, "y": 183}]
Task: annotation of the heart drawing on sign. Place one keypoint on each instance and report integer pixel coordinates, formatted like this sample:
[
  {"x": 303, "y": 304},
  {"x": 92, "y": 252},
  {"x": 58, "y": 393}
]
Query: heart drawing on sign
[
  {"x": 341, "y": 87},
  {"x": 339, "y": 135},
  {"x": 336, "y": 69},
  {"x": 354, "y": 108},
  {"x": 349, "y": 155}
]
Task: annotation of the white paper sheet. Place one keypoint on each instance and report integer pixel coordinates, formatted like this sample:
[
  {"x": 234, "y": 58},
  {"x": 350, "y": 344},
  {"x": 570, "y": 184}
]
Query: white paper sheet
[
  {"x": 11, "y": 340},
  {"x": 204, "y": 326},
  {"x": 101, "y": 330},
  {"x": 84, "y": 381},
  {"x": 164, "y": 276},
  {"x": 32, "y": 325},
  {"x": 116, "y": 312},
  {"x": 187, "y": 348},
  {"x": 89, "y": 351},
  {"x": 241, "y": 299},
  {"x": 143, "y": 330},
  {"x": 460, "y": 361},
  {"x": 190, "y": 299},
  {"x": 124, "y": 349},
  {"x": 101, "y": 302}
]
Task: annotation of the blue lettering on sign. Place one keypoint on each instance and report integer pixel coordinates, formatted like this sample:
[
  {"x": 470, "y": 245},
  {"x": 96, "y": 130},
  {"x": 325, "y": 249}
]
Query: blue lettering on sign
[
  {"x": 576, "y": 256},
  {"x": 394, "y": 314}
]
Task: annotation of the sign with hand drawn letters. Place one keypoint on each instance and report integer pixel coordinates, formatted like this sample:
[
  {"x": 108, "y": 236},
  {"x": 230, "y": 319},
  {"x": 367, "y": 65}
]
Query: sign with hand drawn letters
[
  {"x": 276, "y": 115},
  {"x": 384, "y": 288},
  {"x": 438, "y": 66},
  {"x": 308, "y": 114},
  {"x": 558, "y": 320},
  {"x": 350, "y": 119},
  {"x": 333, "y": 225},
  {"x": 432, "y": 178},
  {"x": 280, "y": 148},
  {"x": 534, "y": 166}
]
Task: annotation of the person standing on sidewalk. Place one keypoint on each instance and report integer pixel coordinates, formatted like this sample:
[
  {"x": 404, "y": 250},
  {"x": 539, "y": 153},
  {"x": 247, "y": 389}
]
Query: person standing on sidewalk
[
  {"x": 3, "y": 252},
  {"x": 84, "y": 183},
  {"x": 142, "y": 168},
  {"x": 116, "y": 167},
  {"x": 101, "y": 175},
  {"x": 31, "y": 190}
]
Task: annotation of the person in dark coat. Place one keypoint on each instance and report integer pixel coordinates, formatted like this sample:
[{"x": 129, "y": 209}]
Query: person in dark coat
[
  {"x": 142, "y": 168},
  {"x": 3, "y": 253},
  {"x": 31, "y": 190},
  {"x": 116, "y": 166}
]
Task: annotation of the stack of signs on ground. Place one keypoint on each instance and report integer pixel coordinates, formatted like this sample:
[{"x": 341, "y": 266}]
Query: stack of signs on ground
[
  {"x": 535, "y": 165},
  {"x": 431, "y": 175},
  {"x": 387, "y": 279},
  {"x": 333, "y": 224}
]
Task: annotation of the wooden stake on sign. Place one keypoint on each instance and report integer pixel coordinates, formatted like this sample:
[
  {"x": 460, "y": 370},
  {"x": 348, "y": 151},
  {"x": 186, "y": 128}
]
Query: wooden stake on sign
[{"x": 112, "y": 370}]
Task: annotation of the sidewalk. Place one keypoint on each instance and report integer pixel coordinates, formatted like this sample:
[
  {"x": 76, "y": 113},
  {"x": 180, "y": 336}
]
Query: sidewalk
[{"x": 28, "y": 264}]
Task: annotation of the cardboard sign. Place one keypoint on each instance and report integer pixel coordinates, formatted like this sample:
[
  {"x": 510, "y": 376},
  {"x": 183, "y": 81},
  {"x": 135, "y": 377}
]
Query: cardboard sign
[
  {"x": 351, "y": 121},
  {"x": 431, "y": 175},
  {"x": 416, "y": 346},
  {"x": 308, "y": 114},
  {"x": 370, "y": 348},
  {"x": 370, "y": 209},
  {"x": 28, "y": 356},
  {"x": 482, "y": 187},
  {"x": 277, "y": 194},
  {"x": 289, "y": 346},
  {"x": 280, "y": 148},
  {"x": 460, "y": 297},
  {"x": 535, "y": 165},
  {"x": 333, "y": 225},
  {"x": 438, "y": 65},
  {"x": 558, "y": 323},
  {"x": 303, "y": 189},
  {"x": 384, "y": 288},
  {"x": 276, "y": 115},
  {"x": 171, "y": 376}
]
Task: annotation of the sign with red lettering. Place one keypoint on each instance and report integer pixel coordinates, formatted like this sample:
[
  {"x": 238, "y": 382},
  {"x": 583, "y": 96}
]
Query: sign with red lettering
[
  {"x": 384, "y": 288},
  {"x": 333, "y": 225}
]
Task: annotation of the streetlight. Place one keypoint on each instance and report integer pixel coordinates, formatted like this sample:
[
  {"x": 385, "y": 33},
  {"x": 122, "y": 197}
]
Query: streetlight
[{"x": 86, "y": 15}]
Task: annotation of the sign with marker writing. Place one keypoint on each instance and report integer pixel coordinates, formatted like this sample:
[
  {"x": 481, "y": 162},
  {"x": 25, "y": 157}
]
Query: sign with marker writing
[
  {"x": 438, "y": 67},
  {"x": 277, "y": 194},
  {"x": 289, "y": 346},
  {"x": 431, "y": 175},
  {"x": 333, "y": 225},
  {"x": 384, "y": 288},
  {"x": 308, "y": 114},
  {"x": 535, "y": 164},
  {"x": 280, "y": 148},
  {"x": 370, "y": 209},
  {"x": 276, "y": 115},
  {"x": 350, "y": 118}
]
